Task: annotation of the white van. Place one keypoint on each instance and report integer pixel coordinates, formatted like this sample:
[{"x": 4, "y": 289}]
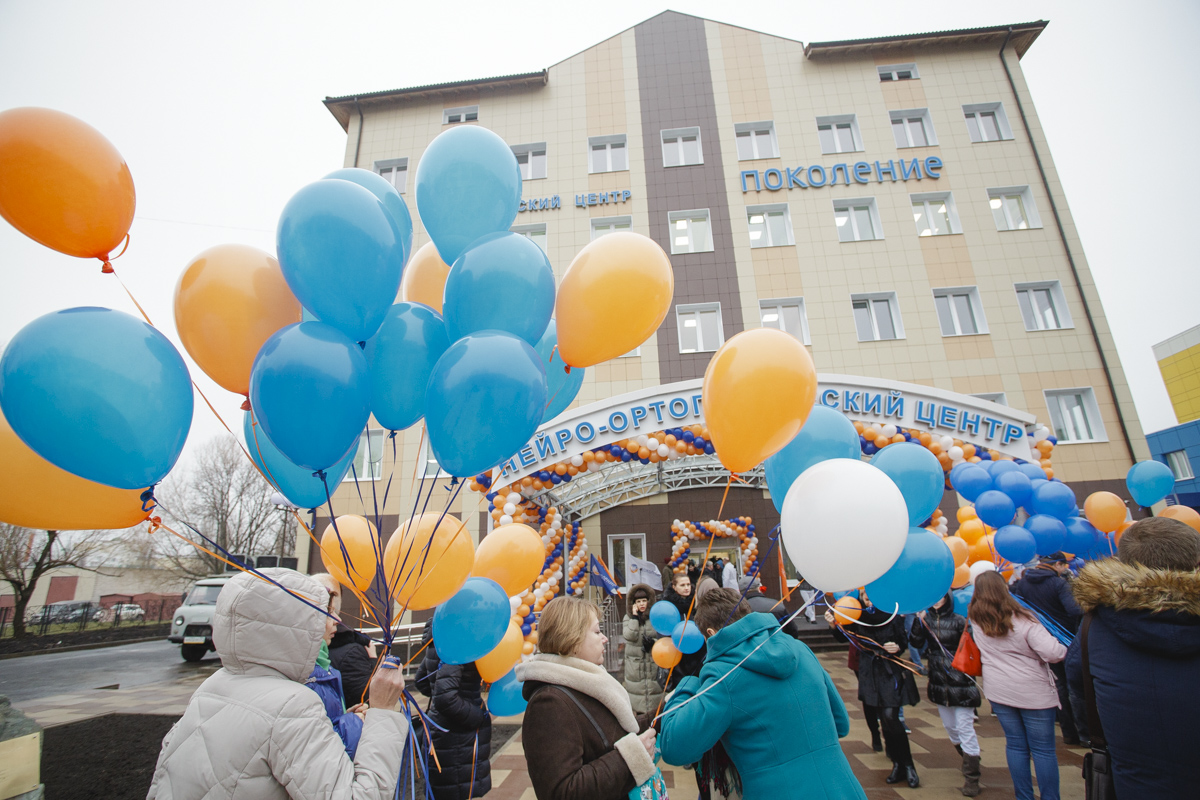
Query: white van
[{"x": 192, "y": 626}]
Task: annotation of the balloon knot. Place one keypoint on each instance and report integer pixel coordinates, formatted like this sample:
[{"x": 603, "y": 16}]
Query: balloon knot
[
  {"x": 362, "y": 345},
  {"x": 392, "y": 434},
  {"x": 155, "y": 523},
  {"x": 320, "y": 474},
  {"x": 106, "y": 268},
  {"x": 147, "y": 498},
  {"x": 246, "y": 404}
]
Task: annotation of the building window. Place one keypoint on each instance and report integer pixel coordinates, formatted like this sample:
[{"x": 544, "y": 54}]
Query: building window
[
  {"x": 755, "y": 140},
  {"x": 1181, "y": 468},
  {"x": 912, "y": 127},
  {"x": 700, "y": 328},
  {"x": 877, "y": 316},
  {"x": 634, "y": 353},
  {"x": 935, "y": 214},
  {"x": 898, "y": 72},
  {"x": 608, "y": 154},
  {"x": 1043, "y": 306},
  {"x": 368, "y": 461},
  {"x": 1013, "y": 208},
  {"x": 621, "y": 548},
  {"x": 839, "y": 134},
  {"x": 450, "y": 116},
  {"x": 999, "y": 398},
  {"x": 857, "y": 219},
  {"x": 394, "y": 171},
  {"x": 959, "y": 312},
  {"x": 534, "y": 233},
  {"x": 690, "y": 231},
  {"x": 603, "y": 225},
  {"x": 1075, "y": 416},
  {"x": 785, "y": 314},
  {"x": 531, "y": 158},
  {"x": 432, "y": 468},
  {"x": 681, "y": 147},
  {"x": 987, "y": 122},
  {"x": 770, "y": 225}
]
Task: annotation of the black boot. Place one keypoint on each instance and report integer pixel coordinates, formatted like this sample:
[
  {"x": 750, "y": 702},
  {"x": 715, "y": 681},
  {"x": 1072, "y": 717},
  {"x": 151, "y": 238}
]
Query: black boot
[
  {"x": 896, "y": 775},
  {"x": 910, "y": 772},
  {"x": 958, "y": 747},
  {"x": 971, "y": 772},
  {"x": 876, "y": 742}
]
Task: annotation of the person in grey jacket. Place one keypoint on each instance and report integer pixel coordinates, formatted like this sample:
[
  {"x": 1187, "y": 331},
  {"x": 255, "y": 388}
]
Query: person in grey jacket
[
  {"x": 641, "y": 673},
  {"x": 254, "y": 730}
]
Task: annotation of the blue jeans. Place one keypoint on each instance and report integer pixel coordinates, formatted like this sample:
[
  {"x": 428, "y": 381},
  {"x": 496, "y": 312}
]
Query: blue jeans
[{"x": 1030, "y": 732}]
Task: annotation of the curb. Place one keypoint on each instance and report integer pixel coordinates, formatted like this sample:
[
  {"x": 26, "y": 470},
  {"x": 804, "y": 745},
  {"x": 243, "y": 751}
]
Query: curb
[{"x": 74, "y": 647}]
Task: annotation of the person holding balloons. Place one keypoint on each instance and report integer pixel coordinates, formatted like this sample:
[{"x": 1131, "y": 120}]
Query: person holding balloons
[
  {"x": 679, "y": 594},
  {"x": 641, "y": 673}
]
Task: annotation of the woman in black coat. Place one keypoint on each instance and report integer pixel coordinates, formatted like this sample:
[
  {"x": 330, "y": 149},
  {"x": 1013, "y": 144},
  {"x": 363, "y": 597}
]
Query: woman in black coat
[
  {"x": 679, "y": 594},
  {"x": 956, "y": 695},
  {"x": 349, "y": 655},
  {"x": 464, "y": 748}
]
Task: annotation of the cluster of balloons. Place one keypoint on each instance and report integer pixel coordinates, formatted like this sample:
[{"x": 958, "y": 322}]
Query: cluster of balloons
[
  {"x": 684, "y": 532},
  {"x": 951, "y": 452},
  {"x": 680, "y": 636}
]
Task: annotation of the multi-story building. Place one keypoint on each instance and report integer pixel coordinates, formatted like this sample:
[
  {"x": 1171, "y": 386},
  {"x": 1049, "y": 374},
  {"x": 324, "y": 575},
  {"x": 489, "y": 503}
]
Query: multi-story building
[
  {"x": 891, "y": 202},
  {"x": 1179, "y": 362}
]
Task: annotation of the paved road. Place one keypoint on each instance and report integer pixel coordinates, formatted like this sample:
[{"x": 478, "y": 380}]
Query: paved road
[{"x": 126, "y": 665}]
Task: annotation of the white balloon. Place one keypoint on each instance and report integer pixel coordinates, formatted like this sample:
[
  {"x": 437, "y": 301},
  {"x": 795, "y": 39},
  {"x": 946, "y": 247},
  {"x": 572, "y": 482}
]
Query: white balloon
[
  {"x": 642, "y": 440},
  {"x": 837, "y": 541},
  {"x": 546, "y": 539},
  {"x": 664, "y": 451},
  {"x": 513, "y": 497},
  {"x": 1040, "y": 434},
  {"x": 576, "y": 461},
  {"x": 980, "y": 567},
  {"x": 889, "y": 430},
  {"x": 514, "y": 602},
  {"x": 510, "y": 509},
  {"x": 556, "y": 525},
  {"x": 955, "y": 453},
  {"x": 652, "y": 443},
  {"x": 946, "y": 442},
  {"x": 506, "y": 520}
]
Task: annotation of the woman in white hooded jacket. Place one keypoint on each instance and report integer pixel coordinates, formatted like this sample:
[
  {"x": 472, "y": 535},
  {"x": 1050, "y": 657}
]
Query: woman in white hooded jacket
[{"x": 254, "y": 730}]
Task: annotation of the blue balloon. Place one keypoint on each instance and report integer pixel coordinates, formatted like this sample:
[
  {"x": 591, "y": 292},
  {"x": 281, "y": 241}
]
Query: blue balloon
[
  {"x": 1015, "y": 544},
  {"x": 664, "y": 616},
  {"x": 918, "y": 475},
  {"x": 393, "y": 203},
  {"x": 502, "y": 282},
  {"x": 98, "y": 393},
  {"x": 297, "y": 484},
  {"x": 1001, "y": 467},
  {"x": 311, "y": 392},
  {"x": 485, "y": 399},
  {"x": 1016, "y": 485},
  {"x": 505, "y": 698},
  {"x": 401, "y": 357},
  {"x": 962, "y": 599},
  {"x": 826, "y": 434},
  {"x": 995, "y": 508},
  {"x": 561, "y": 386},
  {"x": 920, "y": 577},
  {"x": 468, "y": 184},
  {"x": 1049, "y": 533},
  {"x": 1082, "y": 536},
  {"x": 471, "y": 623},
  {"x": 1149, "y": 482},
  {"x": 1032, "y": 471},
  {"x": 687, "y": 637},
  {"x": 1053, "y": 498},
  {"x": 973, "y": 482},
  {"x": 342, "y": 254},
  {"x": 958, "y": 468}
]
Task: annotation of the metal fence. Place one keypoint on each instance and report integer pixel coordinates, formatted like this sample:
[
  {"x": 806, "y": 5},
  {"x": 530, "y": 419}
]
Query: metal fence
[{"x": 69, "y": 617}]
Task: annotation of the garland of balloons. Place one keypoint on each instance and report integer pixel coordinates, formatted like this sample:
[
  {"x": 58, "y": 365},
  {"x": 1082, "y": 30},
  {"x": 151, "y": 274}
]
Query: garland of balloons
[
  {"x": 684, "y": 532},
  {"x": 951, "y": 452}
]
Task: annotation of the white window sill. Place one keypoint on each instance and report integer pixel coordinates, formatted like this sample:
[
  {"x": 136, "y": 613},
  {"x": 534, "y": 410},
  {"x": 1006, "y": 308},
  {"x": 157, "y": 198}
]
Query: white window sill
[
  {"x": 963, "y": 335},
  {"x": 860, "y": 241},
  {"x": 769, "y": 246},
  {"x": 607, "y": 171},
  {"x": 937, "y": 235},
  {"x": 676, "y": 166},
  {"x": 1050, "y": 330},
  {"x": 869, "y": 341},
  {"x": 1020, "y": 230}
]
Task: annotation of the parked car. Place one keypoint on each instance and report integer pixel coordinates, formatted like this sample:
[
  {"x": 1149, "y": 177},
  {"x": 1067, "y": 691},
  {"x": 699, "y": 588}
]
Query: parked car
[
  {"x": 63, "y": 612},
  {"x": 128, "y": 612},
  {"x": 192, "y": 626}
]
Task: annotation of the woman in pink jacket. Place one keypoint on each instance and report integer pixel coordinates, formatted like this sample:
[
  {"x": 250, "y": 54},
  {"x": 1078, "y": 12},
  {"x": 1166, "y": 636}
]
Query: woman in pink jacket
[{"x": 1016, "y": 652}]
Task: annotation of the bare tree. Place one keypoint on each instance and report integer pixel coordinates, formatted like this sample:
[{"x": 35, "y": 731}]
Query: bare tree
[{"x": 26, "y": 555}]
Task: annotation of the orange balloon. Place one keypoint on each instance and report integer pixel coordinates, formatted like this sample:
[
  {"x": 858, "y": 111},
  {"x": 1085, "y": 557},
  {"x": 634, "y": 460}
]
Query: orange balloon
[
  {"x": 981, "y": 550},
  {"x": 39, "y": 495},
  {"x": 1105, "y": 510},
  {"x": 965, "y": 513},
  {"x": 664, "y": 652},
  {"x": 62, "y": 183},
  {"x": 968, "y": 450},
  {"x": 1184, "y": 514},
  {"x": 743, "y": 385},
  {"x": 959, "y": 549},
  {"x": 424, "y": 279},
  {"x": 971, "y": 531},
  {"x": 229, "y": 300},
  {"x": 512, "y": 556},
  {"x": 846, "y": 609},
  {"x": 882, "y": 441},
  {"x": 962, "y": 576},
  {"x": 496, "y": 664},
  {"x": 355, "y": 567},
  {"x": 605, "y": 275},
  {"x": 424, "y": 566}
]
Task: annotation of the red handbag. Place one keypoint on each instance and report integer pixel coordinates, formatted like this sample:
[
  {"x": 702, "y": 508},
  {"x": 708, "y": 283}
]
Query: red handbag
[{"x": 966, "y": 658}]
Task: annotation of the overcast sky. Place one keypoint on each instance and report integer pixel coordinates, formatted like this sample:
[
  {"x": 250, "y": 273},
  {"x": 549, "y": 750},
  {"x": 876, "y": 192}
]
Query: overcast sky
[{"x": 217, "y": 109}]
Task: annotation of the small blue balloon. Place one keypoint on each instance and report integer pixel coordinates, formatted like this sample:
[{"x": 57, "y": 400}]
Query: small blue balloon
[
  {"x": 297, "y": 484},
  {"x": 401, "y": 357},
  {"x": 918, "y": 475},
  {"x": 502, "y": 282},
  {"x": 664, "y": 616},
  {"x": 995, "y": 508},
  {"x": 1149, "y": 482},
  {"x": 1016, "y": 485},
  {"x": 561, "y": 385},
  {"x": 826, "y": 434},
  {"x": 468, "y": 184},
  {"x": 687, "y": 637},
  {"x": 920, "y": 577},
  {"x": 505, "y": 698},
  {"x": 1055, "y": 499},
  {"x": 1001, "y": 467},
  {"x": 485, "y": 399},
  {"x": 1082, "y": 536},
  {"x": 98, "y": 393},
  {"x": 1015, "y": 544},
  {"x": 471, "y": 623},
  {"x": 1049, "y": 533},
  {"x": 393, "y": 203},
  {"x": 958, "y": 468},
  {"x": 962, "y": 599},
  {"x": 311, "y": 392},
  {"x": 973, "y": 482},
  {"x": 342, "y": 255},
  {"x": 1032, "y": 471}
]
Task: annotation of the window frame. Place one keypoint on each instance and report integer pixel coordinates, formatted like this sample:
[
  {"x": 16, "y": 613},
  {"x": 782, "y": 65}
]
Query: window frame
[
  {"x": 607, "y": 143},
  {"x": 594, "y": 221},
  {"x": 892, "y": 71},
  {"x": 535, "y": 227},
  {"x": 362, "y": 455},
  {"x": 907, "y": 115},
  {"x": 771, "y": 208},
  {"x": 396, "y": 165},
  {"x": 972, "y": 294},
  {"x": 1090, "y": 408},
  {"x": 1058, "y": 301},
  {"x": 999, "y": 398},
  {"x": 832, "y": 122},
  {"x": 765, "y": 304},
  {"x": 1003, "y": 128},
  {"x": 679, "y": 134},
  {"x": 698, "y": 308},
  {"x": 689, "y": 214},
  {"x": 752, "y": 128},
  {"x": 532, "y": 150},
  {"x": 893, "y": 306},
  {"x": 622, "y": 575},
  {"x": 464, "y": 112},
  {"x": 430, "y": 468},
  {"x": 851, "y": 204},
  {"x": 1181, "y": 466},
  {"x": 1033, "y": 219},
  {"x": 951, "y": 211}
]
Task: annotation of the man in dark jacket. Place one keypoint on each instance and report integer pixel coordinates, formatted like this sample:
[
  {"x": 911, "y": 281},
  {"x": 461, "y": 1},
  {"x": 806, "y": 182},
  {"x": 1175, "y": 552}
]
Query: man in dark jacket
[
  {"x": 349, "y": 655},
  {"x": 1045, "y": 588},
  {"x": 1143, "y": 647}
]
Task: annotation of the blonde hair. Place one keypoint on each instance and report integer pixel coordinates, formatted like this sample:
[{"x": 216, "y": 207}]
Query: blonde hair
[
  {"x": 563, "y": 625},
  {"x": 330, "y": 584}
]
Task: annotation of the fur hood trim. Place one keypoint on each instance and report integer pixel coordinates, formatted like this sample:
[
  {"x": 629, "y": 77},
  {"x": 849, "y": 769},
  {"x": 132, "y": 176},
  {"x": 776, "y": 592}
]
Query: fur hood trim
[
  {"x": 1132, "y": 587},
  {"x": 582, "y": 676}
]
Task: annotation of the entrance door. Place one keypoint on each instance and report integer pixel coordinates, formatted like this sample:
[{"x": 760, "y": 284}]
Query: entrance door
[{"x": 620, "y": 548}]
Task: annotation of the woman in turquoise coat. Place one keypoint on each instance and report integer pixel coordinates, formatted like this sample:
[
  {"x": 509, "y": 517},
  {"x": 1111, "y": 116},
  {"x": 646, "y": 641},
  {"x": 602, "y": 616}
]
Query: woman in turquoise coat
[{"x": 776, "y": 712}]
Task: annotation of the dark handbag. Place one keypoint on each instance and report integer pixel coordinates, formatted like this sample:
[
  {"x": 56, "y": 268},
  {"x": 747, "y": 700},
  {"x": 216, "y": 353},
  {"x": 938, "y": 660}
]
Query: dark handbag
[{"x": 1097, "y": 766}]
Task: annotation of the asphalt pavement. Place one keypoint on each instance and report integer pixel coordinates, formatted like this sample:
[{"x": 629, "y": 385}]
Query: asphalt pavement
[{"x": 123, "y": 666}]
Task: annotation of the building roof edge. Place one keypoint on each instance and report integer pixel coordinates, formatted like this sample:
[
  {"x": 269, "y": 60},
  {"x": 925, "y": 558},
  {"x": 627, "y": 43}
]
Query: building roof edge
[{"x": 1024, "y": 34}]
